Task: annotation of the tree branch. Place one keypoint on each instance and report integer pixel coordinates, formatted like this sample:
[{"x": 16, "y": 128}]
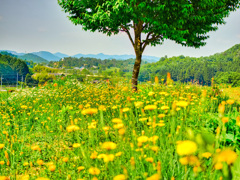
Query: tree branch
[
  {"x": 149, "y": 40},
  {"x": 128, "y": 33}
]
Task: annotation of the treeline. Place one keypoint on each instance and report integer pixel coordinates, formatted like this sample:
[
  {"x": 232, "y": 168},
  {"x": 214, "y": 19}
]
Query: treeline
[
  {"x": 93, "y": 63},
  {"x": 224, "y": 67},
  {"x": 16, "y": 65}
]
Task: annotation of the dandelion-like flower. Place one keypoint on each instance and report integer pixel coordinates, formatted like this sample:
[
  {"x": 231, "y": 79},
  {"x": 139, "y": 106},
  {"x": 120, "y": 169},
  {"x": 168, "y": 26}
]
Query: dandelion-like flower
[
  {"x": 186, "y": 148},
  {"x": 109, "y": 145}
]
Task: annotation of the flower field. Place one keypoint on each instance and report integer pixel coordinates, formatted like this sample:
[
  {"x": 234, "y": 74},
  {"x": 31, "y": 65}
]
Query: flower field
[{"x": 70, "y": 130}]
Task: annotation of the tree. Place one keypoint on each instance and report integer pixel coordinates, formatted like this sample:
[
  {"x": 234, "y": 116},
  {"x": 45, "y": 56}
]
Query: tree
[{"x": 186, "y": 22}]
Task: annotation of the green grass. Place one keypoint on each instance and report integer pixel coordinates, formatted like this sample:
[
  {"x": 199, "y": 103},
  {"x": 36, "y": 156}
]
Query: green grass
[{"x": 37, "y": 124}]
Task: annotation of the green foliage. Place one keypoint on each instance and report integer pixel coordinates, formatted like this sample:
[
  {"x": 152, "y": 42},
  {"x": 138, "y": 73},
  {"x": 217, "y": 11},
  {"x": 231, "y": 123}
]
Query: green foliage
[
  {"x": 11, "y": 66},
  {"x": 43, "y": 77},
  {"x": 44, "y": 69},
  {"x": 224, "y": 67},
  {"x": 185, "y": 22},
  {"x": 232, "y": 78}
]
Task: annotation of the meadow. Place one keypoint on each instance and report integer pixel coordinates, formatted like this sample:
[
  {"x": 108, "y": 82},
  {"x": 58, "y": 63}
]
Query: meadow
[{"x": 72, "y": 130}]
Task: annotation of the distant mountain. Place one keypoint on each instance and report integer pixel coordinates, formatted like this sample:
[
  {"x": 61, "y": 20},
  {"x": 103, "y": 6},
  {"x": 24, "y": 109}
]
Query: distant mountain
[
  {"x": 57, "y": 56},
  {"x": 13, "y": 52},
  {"x": 33, "y": 57},
  {"x": 117, "y": 57},
  {"x": 47, "y": 55},
  {"x": 61, "y": 55}
]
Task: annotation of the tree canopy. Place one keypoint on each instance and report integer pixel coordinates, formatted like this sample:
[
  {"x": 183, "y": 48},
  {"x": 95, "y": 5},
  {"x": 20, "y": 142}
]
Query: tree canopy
[{"x": 186, "y": 22}]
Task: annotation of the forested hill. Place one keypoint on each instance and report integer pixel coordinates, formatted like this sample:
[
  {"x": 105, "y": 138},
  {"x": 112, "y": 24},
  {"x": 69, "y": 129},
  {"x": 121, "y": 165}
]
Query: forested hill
[
  {"x": 11, "y": 65},
  {"x": 222, "y": 66}
]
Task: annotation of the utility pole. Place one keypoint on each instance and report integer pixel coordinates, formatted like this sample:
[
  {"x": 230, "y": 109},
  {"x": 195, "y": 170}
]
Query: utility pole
[
  {"x": 17, "y": 81},
  {"x": 22, "y": 82},
  {"x": 1, "y": 82}
]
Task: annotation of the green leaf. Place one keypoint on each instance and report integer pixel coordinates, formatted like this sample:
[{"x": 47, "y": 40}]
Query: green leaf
[
  {"x": 230, "y": 137},
  {"x": 236, "y": 169}
]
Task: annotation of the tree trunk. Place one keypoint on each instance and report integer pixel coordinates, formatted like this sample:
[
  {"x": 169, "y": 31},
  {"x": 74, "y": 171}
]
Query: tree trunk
[{"x": 136, "y": 69}]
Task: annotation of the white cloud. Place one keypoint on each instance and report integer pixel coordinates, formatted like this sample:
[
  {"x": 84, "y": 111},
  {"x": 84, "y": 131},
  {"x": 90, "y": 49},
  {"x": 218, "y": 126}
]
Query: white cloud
[{"x": 238, "y": 36}]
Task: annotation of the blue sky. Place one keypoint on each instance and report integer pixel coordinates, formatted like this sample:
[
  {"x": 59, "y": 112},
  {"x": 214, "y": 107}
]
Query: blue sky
[{"x": 41, "y": 25}]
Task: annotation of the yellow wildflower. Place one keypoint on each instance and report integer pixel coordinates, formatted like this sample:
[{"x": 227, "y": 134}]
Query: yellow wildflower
[
  {"x": 76, "y": 145},
  {"x": 154, "y": 177},
  {"x": 72, "y": 128},
  {"x": 230, "y": 101},
  {"x": 120, "y": 177},
  {"x": 186, "y": 148},
  {"x": 206, "y": 154},
  {"x": 182, "y": 103},
  {"x": 89, "y": 111},
  {"x": 142, "y": 139},
  {"x": 94, "y": 171},
  {"x": 109, "y": 145},
  {"x": 80, "y": 168},
  {"x": 1, "y": 146},
  {"x": 227, "y": 156},
  {"x": 150, "y": 107}
]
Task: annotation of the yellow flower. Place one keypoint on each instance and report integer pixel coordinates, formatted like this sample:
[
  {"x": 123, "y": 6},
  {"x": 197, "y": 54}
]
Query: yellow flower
[
  {"x": 154, "y": 177},
  {"x": 125, "y": 88},
  {"x": 142, "y": 139},
  {"x": 121, "y": 131},
  {"x": 1, "y": 146},
  {"x": 102, "y": 108},
  {"x": 218, "y": 166},
  {"x": 52, "y": 168},
  {"x": 40, "y": 162},
  {"x": 35, "y": 147},
  {"x": 108, "y": 157},
  {"x": 230, "y": 101},
  {"x": 138, "y": 104},
  {"x": 25, "y": 164},
  {"x": 189, "y": 160},
  {"x": 89, "y": 111},
  {"x": 155, "y": 148},
  {"x": 4, "y": 178},
  {"x": 186, "y": 148},
  {"x": 94, "y": 171},
  {"x": 116, "y": 120},
  {"x": 150, "y": 159},
  {"x": 161, "y": 115},
  {"x": 94, "y": 155},
  {"x": 120, "y": 177},
  {"x": 153, "y": 139},
  {"x": 109, "y": 145},
  {"x": 72, "y": 128},
  {"x": 183, "y": 161},
  {"x": 150, "y": 107},
  {"x": 80, "y": 168},
  {"x": 118, "y": 154},
  {"x": 42, "y": 178},
  {"x": 225, "y": 119},
  {"x": 125, "y": 109},
  {"x": 76, "y": 145},
  {"x": 2, "y": 162},
  {"x": 182, "y": 103},
  {"x": 207, "y": 155},
  {"x": 151, "y": 93},
  {"x": 227, "y": 156},
  {"x": 25, "y": 177},
  {"x": 65, "y": 159},
  {"x": 164, "y": 108}
]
